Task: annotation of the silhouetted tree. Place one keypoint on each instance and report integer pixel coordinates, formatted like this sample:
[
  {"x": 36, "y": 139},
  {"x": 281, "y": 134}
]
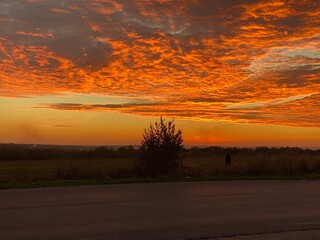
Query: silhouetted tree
[{"x": 160, "y": 149}]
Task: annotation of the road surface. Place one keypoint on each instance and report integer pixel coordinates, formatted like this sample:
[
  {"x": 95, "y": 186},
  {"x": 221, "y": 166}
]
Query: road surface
[{"x": 184, "y": 211}]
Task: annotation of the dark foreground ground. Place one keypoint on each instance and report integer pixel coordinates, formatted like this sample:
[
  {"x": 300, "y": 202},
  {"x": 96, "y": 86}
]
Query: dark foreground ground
[{"x": 192, "y": 211}]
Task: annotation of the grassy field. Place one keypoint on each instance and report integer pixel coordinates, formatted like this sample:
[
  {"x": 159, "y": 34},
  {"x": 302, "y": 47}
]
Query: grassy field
[
  {"x": 35, "y": 170},
  {"x": 38, "y": 173},
  {"x": 282, "y": 165}
]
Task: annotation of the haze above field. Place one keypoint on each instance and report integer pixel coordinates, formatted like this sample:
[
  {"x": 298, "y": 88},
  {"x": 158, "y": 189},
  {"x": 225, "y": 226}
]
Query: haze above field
[{"x": 242, "y": 73}]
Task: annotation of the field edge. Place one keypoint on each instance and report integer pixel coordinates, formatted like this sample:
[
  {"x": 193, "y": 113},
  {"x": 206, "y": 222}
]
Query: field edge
[{"x": 82, "y": 182}]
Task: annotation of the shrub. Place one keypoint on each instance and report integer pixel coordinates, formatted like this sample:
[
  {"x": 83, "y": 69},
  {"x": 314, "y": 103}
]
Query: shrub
[{"x": 160, "y": 149}]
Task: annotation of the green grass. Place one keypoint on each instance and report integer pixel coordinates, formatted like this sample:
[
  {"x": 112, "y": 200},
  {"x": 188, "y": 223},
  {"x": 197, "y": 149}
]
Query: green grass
[{"x": 88, "y": 182}]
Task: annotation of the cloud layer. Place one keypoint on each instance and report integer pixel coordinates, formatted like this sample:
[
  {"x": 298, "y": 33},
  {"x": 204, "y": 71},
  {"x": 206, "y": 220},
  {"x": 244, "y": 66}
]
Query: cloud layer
[{"x": 244, "y": 60}]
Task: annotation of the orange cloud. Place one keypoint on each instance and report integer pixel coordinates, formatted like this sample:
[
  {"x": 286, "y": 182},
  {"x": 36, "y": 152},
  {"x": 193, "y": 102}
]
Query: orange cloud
[
  {"x": 196, "y": 58},
  {"x": 59, "y": 10},
  {"x": 41, "y": 35}
]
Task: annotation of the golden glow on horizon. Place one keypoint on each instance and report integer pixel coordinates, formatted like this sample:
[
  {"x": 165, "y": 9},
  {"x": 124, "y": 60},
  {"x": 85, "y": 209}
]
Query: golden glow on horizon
[
  {"x": 250, "y": 66},
  {"x": 29, "y": 124}
]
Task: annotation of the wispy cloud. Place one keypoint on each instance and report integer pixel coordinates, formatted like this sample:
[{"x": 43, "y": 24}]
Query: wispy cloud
[
  {"x": 293, "y": 111},
  {"x": 96, "y": 107},
  {"x": 272, "y": 102},
  {"x": 63, "y": 125}
]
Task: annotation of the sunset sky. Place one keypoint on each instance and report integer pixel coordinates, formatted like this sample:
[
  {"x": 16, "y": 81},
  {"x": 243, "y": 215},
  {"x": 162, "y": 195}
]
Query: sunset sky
[{"x": 97, "y": 72}]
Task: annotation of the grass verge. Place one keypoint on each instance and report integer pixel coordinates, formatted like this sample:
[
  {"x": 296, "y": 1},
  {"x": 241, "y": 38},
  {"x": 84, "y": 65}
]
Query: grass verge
[{"x": 83, "y": 182}]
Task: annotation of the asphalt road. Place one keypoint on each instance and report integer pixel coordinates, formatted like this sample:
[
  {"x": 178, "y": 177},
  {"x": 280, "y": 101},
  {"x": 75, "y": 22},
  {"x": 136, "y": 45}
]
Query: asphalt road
[{"x": 185, "y": 211}]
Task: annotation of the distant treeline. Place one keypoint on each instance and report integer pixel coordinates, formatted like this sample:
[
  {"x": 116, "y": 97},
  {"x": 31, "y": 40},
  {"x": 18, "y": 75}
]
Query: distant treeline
[
  {"x": 272, "y": 151},
  {"x": 12, "y": 152},
  {"x": 21, "y": 152}
]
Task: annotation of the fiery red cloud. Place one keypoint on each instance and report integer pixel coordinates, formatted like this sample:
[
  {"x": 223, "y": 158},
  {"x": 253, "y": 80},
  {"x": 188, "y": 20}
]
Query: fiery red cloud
[{"x": 250, "y": 61}]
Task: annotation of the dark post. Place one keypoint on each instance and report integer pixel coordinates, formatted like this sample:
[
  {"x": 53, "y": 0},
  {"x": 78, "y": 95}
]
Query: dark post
[{"x": 228, "y": 159}]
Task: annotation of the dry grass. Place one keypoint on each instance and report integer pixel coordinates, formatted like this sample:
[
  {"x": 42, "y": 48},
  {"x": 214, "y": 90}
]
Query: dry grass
[
  {"x": 245, "y": 165},
  {"x": 24, "y": 171},
  {"x": 254, "y": 165}
]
